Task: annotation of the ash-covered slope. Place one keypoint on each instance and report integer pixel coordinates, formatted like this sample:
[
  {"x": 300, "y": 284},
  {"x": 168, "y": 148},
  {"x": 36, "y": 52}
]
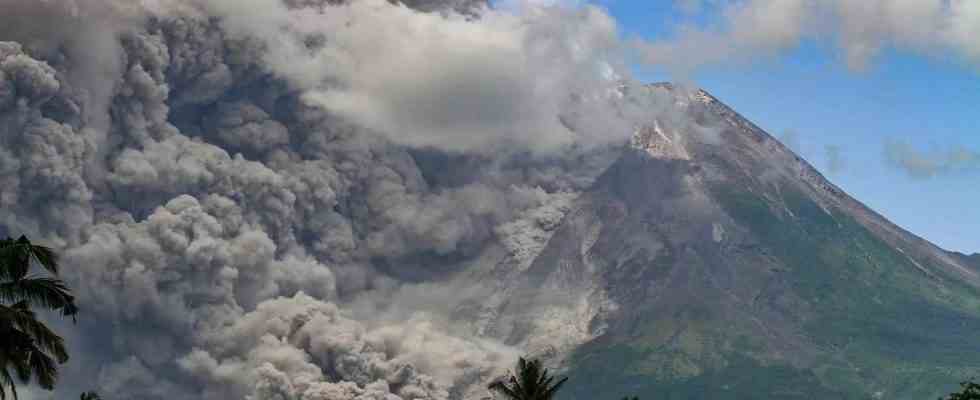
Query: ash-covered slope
[{"x": 710, "y": 262}]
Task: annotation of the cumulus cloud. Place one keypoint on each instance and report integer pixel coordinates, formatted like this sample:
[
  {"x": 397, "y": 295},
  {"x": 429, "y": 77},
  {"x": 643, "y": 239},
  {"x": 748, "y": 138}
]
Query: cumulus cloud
[
  {"x": 921, "y": 164},
  {"x": 860, "y": 30},
  {"x": 751, "y": 29}
]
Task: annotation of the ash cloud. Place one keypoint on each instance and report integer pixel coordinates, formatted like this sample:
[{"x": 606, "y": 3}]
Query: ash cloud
[
  {"x": 442, "y": 80},
  {"x": 245, "y": 206},
  {"x": 920, "y": 164}
]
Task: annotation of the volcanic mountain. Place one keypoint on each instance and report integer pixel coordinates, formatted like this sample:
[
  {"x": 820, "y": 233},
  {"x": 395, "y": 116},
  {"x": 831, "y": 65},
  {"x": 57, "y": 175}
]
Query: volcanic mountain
[
  {"x": 251, "y": 203},
  {"x": 711, "y": 262}
]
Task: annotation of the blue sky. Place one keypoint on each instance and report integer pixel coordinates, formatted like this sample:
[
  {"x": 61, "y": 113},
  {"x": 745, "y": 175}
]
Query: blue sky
[{"x": 927, "y": 101}]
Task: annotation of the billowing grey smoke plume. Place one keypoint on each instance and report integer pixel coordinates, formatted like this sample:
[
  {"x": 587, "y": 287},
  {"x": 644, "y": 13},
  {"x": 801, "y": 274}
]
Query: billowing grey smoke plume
[
  {"x": 429, "y": 80},
  {"x": 242, "y": 189},
  {"x": 928, "y": 164}
]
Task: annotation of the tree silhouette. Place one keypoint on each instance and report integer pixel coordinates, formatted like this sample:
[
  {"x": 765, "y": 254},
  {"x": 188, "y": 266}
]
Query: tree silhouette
[
  {"x": 90, "y": 396},
  {"x": 29, "y": 349},
  {"x": 530, "y": 381},
  {"x": 968, "y": 391}
]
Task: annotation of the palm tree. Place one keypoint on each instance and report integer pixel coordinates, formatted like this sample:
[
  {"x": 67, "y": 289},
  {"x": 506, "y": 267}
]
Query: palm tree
[
  {"x": 90, "y": 396},
  {"x": 29, "y": 349},
  {"x": 969, "y": 390},
  {"x": 531, "y": 382}
]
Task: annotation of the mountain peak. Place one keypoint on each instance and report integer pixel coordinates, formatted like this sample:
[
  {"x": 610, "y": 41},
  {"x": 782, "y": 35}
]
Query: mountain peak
[
  {"x": 747, "y": 145},
  {"x": 710, "y": 258}
]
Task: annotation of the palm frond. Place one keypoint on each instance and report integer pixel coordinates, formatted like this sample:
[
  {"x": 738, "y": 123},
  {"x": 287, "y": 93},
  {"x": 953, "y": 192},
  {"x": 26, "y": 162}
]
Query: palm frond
[
  {"x": 21, "y": 367},
  {"x": 7, "y": 381},
  {"x": 502, "y": 388},
  {"x": 523, "y": 390},
  {"x": 43, "y": 367},
  {"x": 14, "y": 261},
  {"x": 17, "y": 256},
  {"x": 90, "y": 396},
  {"x": 29, "y": 349},
  {"x": 527, "y": 376},
  {"x": 37, "y": 332},
  {"x": 550, "y": 391},
  {"x": 49, "y": 293},
  {"x": 530, "y": 382}
]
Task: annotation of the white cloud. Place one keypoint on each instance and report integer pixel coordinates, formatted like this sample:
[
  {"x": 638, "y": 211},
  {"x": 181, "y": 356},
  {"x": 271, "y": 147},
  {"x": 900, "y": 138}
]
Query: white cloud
[{"x": 861, "y": 29}]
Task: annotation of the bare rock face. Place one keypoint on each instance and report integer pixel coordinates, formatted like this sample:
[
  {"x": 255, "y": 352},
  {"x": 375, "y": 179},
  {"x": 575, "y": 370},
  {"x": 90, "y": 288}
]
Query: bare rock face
[{"x": 711, "y": 262}]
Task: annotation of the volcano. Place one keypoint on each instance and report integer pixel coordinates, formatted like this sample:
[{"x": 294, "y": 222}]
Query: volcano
[
  {"x": 251, "y": 203},
  {"x": 711, "y": 262}
]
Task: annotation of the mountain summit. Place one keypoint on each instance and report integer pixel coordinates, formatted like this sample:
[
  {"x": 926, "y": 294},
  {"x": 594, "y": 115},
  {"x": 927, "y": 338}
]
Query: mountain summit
[{"x": 710, "y": 262}]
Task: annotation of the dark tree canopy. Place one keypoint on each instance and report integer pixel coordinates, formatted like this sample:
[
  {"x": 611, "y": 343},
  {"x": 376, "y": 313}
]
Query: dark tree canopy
[
  {"x": 90, "y": 396},
  {"x": 531, "y": 381},
  {"x": 968, "y": 391},
  {"x": 29, "y": 349}
]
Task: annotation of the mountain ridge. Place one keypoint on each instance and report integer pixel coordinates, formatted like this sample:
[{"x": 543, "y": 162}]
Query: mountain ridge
[
  {"x": 710, "y": 261},
  {"x": 812, "y": 175}
]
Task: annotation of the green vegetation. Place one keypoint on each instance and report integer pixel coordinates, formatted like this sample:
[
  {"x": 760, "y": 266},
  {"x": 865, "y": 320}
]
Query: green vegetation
[
  {"x": 968, "y": 391},
  {"x": 530, "y": 381},
  {"x": 870, "y": 303},
  {"x": 742, "y": 378},
  {"x": 30, "y": 350},
  {"x": 882, "y": 324},
  {"x": 90, "y": 396}
]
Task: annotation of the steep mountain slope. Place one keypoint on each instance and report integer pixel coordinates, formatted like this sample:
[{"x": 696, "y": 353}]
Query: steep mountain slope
[{"x": 710, "y": 262}]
